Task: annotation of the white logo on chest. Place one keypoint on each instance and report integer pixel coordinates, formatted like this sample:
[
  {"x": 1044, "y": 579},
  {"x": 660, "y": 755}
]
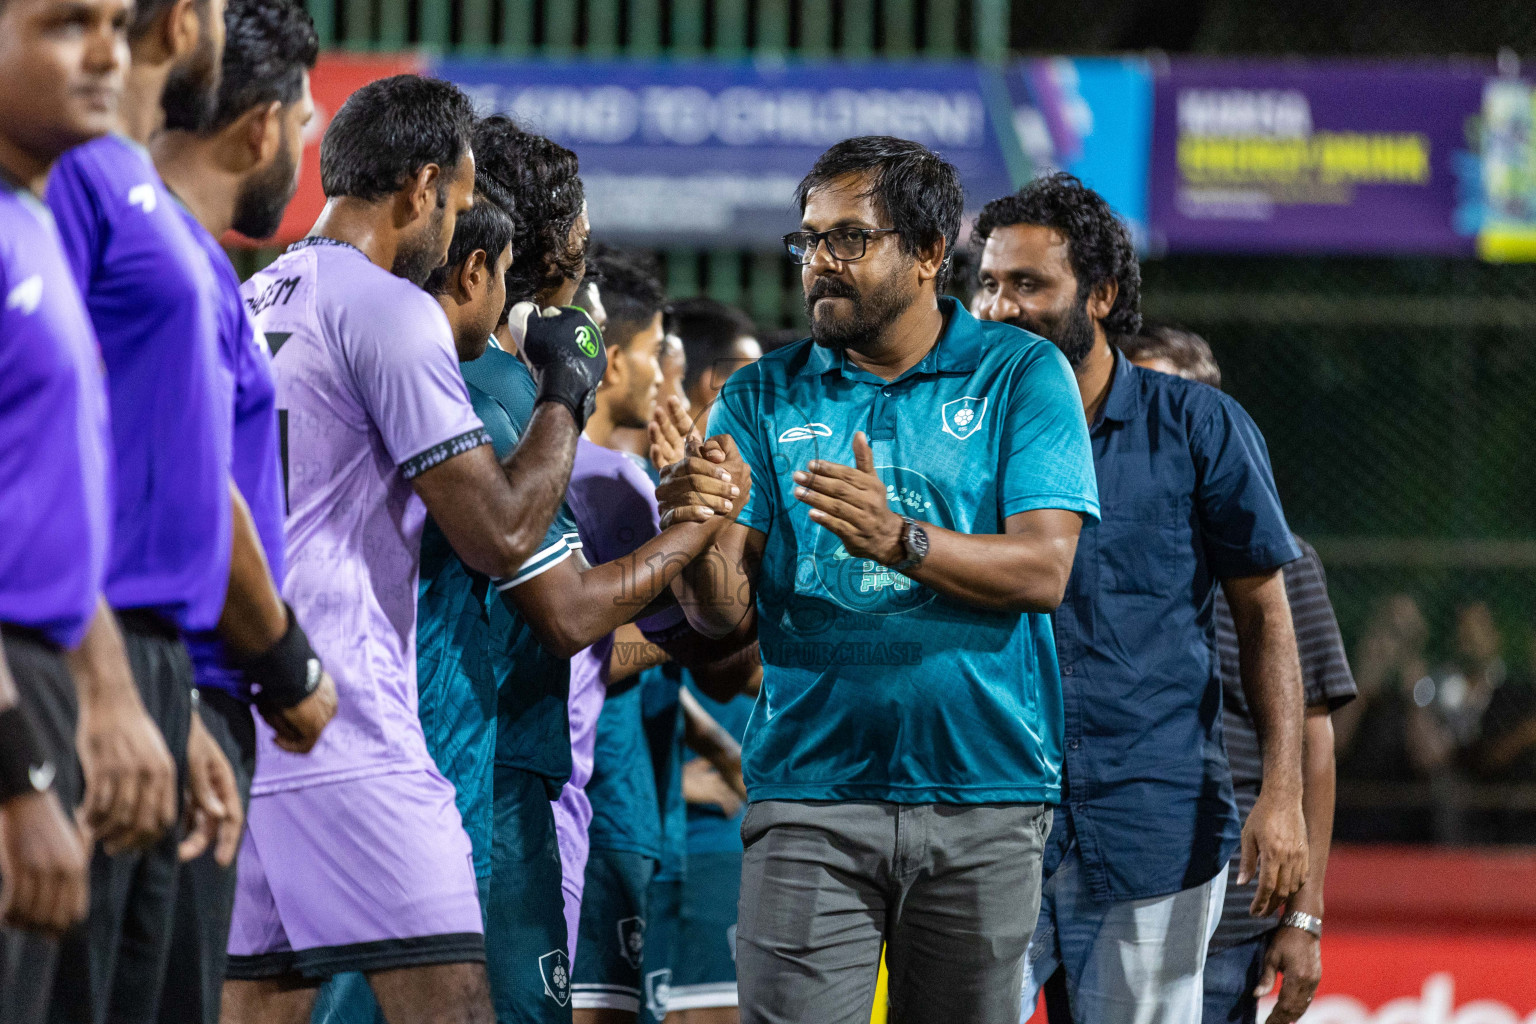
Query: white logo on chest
[
  {"x": 805, "y": 433},
  {"x": 143, "y": 196},
  {"x": 25, "y": 297},
  {"x": 962, "y": 417}
]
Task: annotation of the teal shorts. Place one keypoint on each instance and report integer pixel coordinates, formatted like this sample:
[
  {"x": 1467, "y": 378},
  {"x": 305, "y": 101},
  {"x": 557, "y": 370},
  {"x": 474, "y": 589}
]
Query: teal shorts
[
  {"x": 614, "y": 935},
  {"x": 666, "y": 905},
  {"x": 704, "y": 970},
  {"x": 525, "y": 939}
]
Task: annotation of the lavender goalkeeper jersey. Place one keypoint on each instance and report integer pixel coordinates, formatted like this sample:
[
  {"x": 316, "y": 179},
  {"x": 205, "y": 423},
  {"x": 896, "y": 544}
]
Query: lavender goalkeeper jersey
[{"x": 369, "y": 396}]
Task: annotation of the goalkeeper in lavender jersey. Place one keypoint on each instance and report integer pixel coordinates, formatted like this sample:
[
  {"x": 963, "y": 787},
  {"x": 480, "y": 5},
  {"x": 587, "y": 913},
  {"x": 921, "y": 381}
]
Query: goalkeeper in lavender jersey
[{"x": 356, "y": 857}]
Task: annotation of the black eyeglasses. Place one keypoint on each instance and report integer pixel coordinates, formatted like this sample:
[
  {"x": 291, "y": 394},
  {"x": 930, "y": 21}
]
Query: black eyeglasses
[{"x": 842, "y": 243}]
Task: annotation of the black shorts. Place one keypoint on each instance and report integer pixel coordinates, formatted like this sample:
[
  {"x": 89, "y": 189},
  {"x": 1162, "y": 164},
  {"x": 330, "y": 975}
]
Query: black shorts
[
  {"x": 29, "y": 961},
  {"x": 116, "y": 971}
]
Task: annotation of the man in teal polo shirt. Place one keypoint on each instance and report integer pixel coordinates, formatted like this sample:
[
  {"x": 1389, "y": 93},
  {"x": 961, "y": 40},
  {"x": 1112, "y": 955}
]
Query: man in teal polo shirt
[{"x": 919, "y": 479}]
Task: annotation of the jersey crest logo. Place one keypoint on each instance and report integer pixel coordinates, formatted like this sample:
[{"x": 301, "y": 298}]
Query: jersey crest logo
[
  {"x": 658, "y": 992},
  {"x": 632, "y": 940},
  {"x": 27, "y": 296},
  {"x": 963, "y": 416},
  {"x": 555, "y": 969},
  {"x": 805, "y": 433},
  {"x": 143, "y": 196},
  {"x": 586, "y": 340}
]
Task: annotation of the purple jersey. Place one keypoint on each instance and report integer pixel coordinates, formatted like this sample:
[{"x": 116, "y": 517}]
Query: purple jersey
[
  {"x": 369, "y": 395},
  {"x": 152, "y": 299},
  {"x": 257, "y": 466},
  {"x": 55, "y": 519}
]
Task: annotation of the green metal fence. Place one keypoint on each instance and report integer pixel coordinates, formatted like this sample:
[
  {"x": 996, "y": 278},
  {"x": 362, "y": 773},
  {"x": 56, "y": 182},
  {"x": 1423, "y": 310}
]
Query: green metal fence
[{"x": 817, "y": 28}]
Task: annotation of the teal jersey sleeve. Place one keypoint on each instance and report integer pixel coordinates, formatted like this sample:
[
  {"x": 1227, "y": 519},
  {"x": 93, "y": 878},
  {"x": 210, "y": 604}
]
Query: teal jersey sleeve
[
  {"x": 737, "y": 412},
  {"x": 1045, "y": 459}
]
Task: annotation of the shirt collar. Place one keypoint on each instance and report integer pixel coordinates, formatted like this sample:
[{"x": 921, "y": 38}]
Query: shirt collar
[
  {"x": 958, "y": 349},
  {"x": 1123, "y": 403}
]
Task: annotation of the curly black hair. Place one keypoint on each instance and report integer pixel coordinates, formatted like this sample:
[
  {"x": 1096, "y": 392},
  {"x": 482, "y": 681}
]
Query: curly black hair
[
  {"x": 268, "y": 46},
  {"x": 388, "y": 130},
  {"x": 546, "y": 197},
  {"x": 1098, "y": 243}
]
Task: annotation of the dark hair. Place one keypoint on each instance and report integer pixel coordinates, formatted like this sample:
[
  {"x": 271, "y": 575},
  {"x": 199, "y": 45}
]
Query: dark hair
[
  {"x": 390, "y": 129},
  {"x": 541, "y": 177},
  {"x": 911, "y": 184},
  {"x": 485, "y": 227},
  {"x": 1183, "y": 348},
  {"x": 631, "y": 293},
  {"x": 1098, "y": 244},
  {"x": 268, "y": 46},
  {"x": 708, "y": 328},
  {"x": 146, "y": 13}
]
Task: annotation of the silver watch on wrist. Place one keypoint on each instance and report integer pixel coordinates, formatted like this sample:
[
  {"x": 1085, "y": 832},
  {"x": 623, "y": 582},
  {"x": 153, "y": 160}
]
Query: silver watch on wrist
[
  {"x": 914, "y": 543},
  {"x": 1308, "y": 923}
]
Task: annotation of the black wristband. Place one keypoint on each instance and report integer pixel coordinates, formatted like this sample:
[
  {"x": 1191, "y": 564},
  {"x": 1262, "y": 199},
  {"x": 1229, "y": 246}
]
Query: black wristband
[
  {"x": 24, "y": 765},
  {"x": 285, "y": 674}
]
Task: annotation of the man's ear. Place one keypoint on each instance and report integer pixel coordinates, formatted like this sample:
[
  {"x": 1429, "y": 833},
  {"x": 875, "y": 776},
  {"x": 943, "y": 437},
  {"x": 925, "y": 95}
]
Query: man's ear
[
  {"x": 930, "y": 259},
  {"x": 1102, "y": 299},
  {"x": 614, "y": 375},
  {"x": 473, "y": 274},
  {"x": 183, "y": 29},
  {"x": 259, "y": 134},
  {"x": 423, "y": 194}
]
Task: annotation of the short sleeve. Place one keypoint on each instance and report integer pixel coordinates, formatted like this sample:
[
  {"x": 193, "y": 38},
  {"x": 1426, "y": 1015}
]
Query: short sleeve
[
  {"x": 77, "y": 215},
  {"x": 1242, "y": 525},
  {"x": 736, "y": 412},
  {"x": 1325, "y": 676},
  {"x": 557, "y": 547},
  {"x": 1045, "y": 458},
  {"x": 409, "y": 381}
]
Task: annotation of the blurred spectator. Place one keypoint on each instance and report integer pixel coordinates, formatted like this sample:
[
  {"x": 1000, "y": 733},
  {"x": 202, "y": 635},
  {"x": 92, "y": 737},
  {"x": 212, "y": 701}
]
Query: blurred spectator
[{"x": 1389, "y": 735}]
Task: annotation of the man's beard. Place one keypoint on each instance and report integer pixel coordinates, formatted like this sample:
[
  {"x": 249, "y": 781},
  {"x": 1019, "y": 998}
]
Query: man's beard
[
  {"x": 192, "y": 88},
  {"x": 871, "y": 314},
  {"x": 1071, "y": 332},
  {"x": 260, "y": 205},
  {"x": 415, "y": 260}
]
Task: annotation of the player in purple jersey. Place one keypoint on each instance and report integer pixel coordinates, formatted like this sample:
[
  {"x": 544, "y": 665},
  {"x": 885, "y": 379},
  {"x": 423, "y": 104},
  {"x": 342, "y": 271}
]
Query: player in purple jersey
[
  {"x": 239, "y": 171},
  {"x": 356, "y": 858},
  {"x": 61, "y": 75},
  {"x": 150, "y": 293}
]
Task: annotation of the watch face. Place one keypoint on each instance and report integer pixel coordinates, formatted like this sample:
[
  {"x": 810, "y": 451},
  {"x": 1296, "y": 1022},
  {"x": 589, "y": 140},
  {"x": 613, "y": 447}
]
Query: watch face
[{"x": 917, "y": 540}]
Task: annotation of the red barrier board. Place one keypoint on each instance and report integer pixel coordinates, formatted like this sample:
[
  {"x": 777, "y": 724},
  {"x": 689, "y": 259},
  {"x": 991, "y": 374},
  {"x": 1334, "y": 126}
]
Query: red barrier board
[{"x": 336, "y": 76}]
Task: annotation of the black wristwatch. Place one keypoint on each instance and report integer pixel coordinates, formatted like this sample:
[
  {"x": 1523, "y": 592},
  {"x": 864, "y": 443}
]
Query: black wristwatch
[{"x": 914, "y": 541}]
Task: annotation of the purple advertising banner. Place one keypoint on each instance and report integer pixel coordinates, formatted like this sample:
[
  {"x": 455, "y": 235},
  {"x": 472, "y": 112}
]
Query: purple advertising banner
[{"x": 1254, "y": 156}]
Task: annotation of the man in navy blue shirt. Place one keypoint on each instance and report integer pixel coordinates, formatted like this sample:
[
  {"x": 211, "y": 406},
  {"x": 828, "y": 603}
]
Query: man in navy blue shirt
[{"x": 1137, "y": 865}]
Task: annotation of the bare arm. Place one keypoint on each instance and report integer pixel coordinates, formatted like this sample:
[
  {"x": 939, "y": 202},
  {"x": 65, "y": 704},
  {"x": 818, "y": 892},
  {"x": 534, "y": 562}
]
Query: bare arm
[
  {"x": 707, "y": 738},
  {"x": 1275, "y": 835},
  {"x": 130, "y": 779},
  {"x": 632, "y": 654},
  {"x": 495, "y": 514},
  {"x": 1023, "y": 569},
  {"x": 572, "y": 606},
  {"x": 254, "y": 616},
  {"x": 1295, "y": 953}
]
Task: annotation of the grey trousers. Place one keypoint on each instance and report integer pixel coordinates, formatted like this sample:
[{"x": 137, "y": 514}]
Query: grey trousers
[{"x": 951, "y": 890}]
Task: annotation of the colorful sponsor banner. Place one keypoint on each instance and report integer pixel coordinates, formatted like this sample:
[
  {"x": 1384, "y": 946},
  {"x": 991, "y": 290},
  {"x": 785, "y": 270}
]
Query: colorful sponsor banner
[
  {"x": 1091, "y": 116},
  {"x": 1364, "y": 157},
  {"x": 704, "y": 153},
  {"x": 1509, "y": 171},
  {"x": 336, "y": 76}
]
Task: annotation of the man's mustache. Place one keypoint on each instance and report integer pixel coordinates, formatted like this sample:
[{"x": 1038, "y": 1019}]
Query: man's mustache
[{"x": 831, "y": 288}]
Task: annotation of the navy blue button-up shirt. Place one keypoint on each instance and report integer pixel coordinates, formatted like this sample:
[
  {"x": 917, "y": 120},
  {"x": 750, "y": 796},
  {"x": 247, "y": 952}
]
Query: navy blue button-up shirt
[{"x": 1187, "y": 499}]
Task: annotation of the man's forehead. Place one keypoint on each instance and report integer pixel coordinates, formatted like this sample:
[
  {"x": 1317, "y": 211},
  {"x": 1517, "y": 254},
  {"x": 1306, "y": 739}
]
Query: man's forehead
[
  {"x": 1035, "y": 245},
  {"x": 843, "y": 200}
]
